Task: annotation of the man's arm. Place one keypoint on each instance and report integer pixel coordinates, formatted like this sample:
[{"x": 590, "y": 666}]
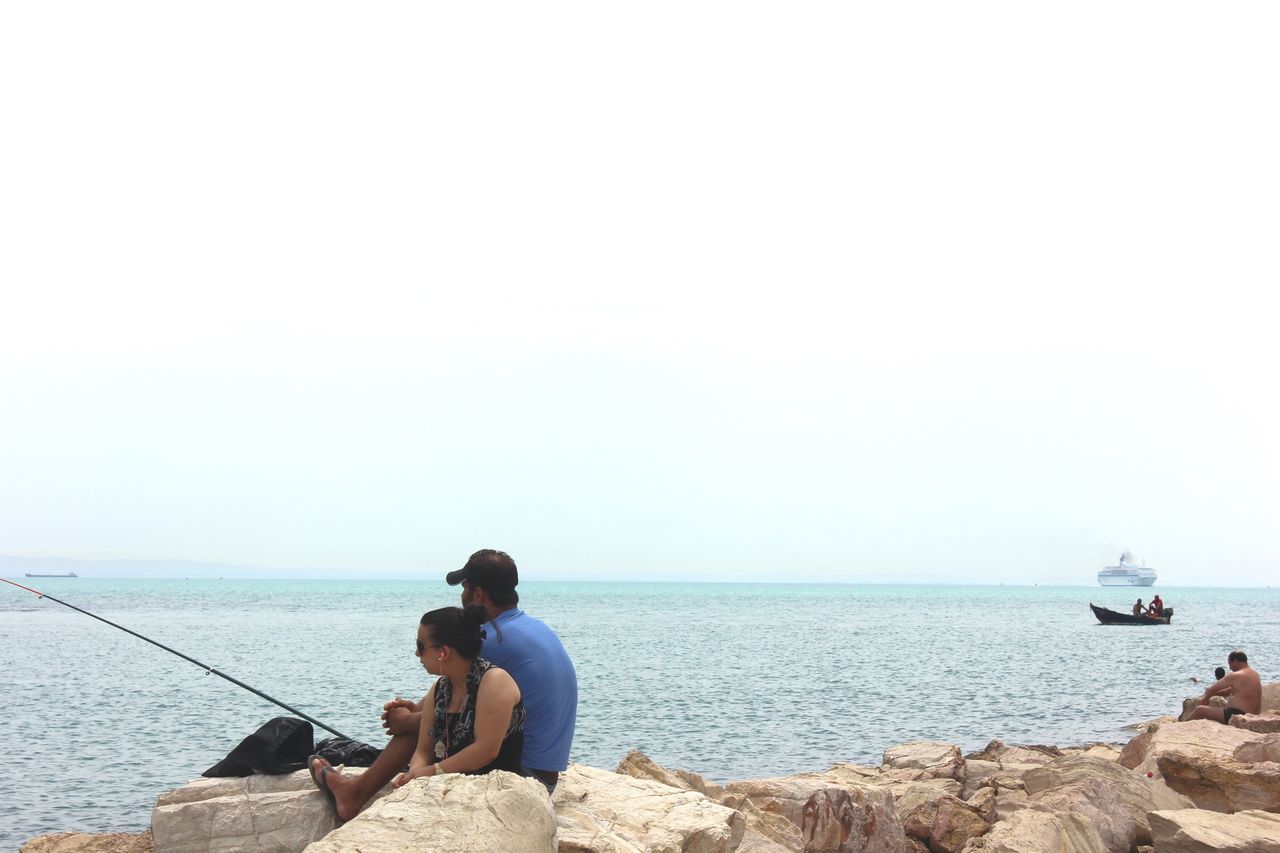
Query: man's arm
[{"x": 1221, "y": 687}]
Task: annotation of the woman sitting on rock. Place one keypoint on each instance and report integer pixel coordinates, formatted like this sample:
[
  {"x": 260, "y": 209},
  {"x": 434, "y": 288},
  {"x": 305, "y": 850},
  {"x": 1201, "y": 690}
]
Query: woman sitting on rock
[{"x": 472, "y": 717}]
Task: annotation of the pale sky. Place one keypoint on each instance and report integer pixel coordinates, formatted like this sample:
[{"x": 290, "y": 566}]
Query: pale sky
[{"x": 756, "y": 291}]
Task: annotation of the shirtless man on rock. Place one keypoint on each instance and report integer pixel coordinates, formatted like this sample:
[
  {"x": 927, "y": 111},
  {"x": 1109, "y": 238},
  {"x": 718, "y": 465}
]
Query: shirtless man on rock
[{"x": 1241, "y": 686}]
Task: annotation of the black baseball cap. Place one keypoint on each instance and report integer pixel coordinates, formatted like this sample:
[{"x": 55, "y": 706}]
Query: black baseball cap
[{"x": 493, "y": 571}]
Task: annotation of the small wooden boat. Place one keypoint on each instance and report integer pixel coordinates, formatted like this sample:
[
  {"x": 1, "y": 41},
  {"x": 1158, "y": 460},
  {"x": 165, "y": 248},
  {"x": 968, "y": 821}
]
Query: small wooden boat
[{"x": 1111, "y": 617}]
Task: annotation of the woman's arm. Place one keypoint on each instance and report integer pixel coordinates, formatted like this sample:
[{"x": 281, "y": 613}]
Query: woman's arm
[
  {"x": 425, "y": 753},
  {"x": 495, "y": 701}
]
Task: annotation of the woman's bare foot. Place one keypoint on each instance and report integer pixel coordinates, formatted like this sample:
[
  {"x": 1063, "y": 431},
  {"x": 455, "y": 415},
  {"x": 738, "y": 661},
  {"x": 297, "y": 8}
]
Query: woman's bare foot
[{"x": 337, "y": 788}]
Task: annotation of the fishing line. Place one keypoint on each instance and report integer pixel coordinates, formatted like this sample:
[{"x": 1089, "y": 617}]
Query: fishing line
[{"x": 205, "y": 667}]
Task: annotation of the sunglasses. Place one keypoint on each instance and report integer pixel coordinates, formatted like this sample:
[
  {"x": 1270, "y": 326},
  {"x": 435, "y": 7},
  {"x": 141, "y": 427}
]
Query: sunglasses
[{"x": 422, "y": 647}]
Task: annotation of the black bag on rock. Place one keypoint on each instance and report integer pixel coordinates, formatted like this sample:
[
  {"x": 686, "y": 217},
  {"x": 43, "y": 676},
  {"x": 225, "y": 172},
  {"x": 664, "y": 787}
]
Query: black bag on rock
[
  {"x": 353, "y": 753},
  {"x": 280, "y": 745}
]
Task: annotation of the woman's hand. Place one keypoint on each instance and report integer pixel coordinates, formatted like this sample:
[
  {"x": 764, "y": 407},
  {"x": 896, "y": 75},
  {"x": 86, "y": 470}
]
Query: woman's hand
[
  {"x": 414, "y": 773},
  {"x": 400, "y": 717}
]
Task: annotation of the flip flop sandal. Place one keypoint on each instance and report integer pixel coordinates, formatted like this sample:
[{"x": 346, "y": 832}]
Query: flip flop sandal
[{"x": 321, "y": 779}]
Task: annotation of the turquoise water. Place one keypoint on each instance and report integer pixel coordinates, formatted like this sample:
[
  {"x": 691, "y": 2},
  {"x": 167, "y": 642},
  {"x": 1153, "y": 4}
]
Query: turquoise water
[{"x": 731, "y": 680}]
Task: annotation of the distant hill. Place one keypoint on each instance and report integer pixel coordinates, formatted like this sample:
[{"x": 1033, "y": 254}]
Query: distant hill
[{"x": 16, "y": 567}]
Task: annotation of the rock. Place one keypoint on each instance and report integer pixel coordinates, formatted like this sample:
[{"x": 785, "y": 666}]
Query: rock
[
  {"x": 812, "y": 802},
  {"x": 976, "y": 773},
  {"x": 79, "y": 842},
  {"x": 1199, "y": 831},
  {"x": 260, "y": 812},
  {"x": 1033, "y": 831},
  {"x": 1108, "y": 751},
  {"x": 1266, "y": 748},
  {"x": 854, "y": 774},
  {"x": 1008, "y": 780},
  {"x": 453, "y": 812},
  {"x": 852, "y": 820},
  {"x": 1150, "y": 725},
  {"x": 601, "y": 811},
  {"x": 915, "y": 845},
  {"x": 1114, "y": 800},
  {"x": 1222, "y": 768},
  {"x": 768, "y": 833},
  {"x": 984, "y": 803},
  {"x": 1271, "y": 698},
  {"x": 1023, "y": 755},
  {"x": 943, "y": 822},
  {"x": 1009, "y": 802},
  {"x": 1222, "y": 784},
  {"x": 1196, "y": 738},
  {"x": 935, "y": 760},
  {"x": 640, "y": 766},
  {"x": 764, "y": 833},
  {"x": 1260, "y": 723}
]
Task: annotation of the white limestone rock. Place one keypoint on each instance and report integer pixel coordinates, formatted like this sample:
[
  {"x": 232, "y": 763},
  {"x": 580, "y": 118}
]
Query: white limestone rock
[
  {"x": 1010, "y": 801},
  {"x": 1108, "y": 751},
  {"x": 1113, "y": 799},
  {"x": 1260, "y": 723},
  {"x": 934, "y": 760},
  {"x": 262, "y": 812},
  {"x": 976, "y": 774},
  {"x": 82, "y": 842},
  {"x": 984, "y": 803},
  {"x": 640, "y": 766},
  {"x": 1222, "y": 768},
  {"x": 1033, "y": 831},
  {"x": 1193, "y": 739},
  {"x": 250, "y": 813},
  {"x": 1271, "y": 697},
  {"x": 1008, "y": 756},
  {"x": 1200, "y": 831},
  {"x": 839, "y": 809},
  {"x": 942, "y": 822},
  {"x": 453, "y": 813},
  {"x": 599, "y": 811},
  {"x": 764, "y": 833}
]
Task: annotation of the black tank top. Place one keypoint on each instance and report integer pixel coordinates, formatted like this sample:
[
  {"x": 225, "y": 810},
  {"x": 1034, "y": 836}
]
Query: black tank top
[{"x": 454, "y": 732}]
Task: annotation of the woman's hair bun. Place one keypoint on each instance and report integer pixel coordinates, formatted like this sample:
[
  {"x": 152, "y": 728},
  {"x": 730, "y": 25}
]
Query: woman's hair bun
[
  {"x": 458, "y": 627},
  {"x": 474, "y": 615}
]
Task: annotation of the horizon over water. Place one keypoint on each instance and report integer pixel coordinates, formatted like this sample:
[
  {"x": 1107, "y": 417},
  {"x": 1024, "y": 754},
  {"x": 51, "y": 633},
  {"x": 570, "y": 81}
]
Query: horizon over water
[{"x": 732, "y": 680}]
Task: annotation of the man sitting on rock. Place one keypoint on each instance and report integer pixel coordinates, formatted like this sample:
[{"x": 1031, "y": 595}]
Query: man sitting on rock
[
  {"x": 1242, "y": 688},
  {"x": 514, "y": 641}
]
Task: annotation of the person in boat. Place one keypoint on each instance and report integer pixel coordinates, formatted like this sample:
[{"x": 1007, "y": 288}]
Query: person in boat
[
  {"x": 526, "y": 648},
  {"x": 1242, "y": 687},
  {"x": 1137, "y": 607},
  {"x": 1157, "y": 607},
  {"x": 472, "y": 718}
]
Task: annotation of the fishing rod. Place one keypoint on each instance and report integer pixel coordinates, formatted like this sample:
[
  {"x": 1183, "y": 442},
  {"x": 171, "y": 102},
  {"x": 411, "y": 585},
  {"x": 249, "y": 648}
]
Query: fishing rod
[{"x": 205, "y": 667}]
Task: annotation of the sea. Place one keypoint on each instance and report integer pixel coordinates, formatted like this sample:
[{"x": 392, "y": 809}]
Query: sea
[{"x": 732, "y": 680}]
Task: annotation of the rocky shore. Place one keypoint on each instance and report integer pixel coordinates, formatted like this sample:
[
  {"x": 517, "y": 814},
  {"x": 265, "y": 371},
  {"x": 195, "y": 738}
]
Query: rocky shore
[{"x": 1174, "y": 787}]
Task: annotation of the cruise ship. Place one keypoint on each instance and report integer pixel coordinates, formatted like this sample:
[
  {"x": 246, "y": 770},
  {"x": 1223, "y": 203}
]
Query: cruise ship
[{"x": 1127, "y": 574}]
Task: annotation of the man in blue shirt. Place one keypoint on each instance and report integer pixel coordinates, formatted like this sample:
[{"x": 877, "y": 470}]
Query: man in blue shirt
[
  {"x": 515, "y": 641},
  {"x": 534, "y": 656}
]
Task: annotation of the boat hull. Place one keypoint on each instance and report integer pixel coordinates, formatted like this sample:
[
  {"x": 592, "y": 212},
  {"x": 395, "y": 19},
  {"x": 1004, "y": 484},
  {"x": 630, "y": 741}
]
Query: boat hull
[
  {"x": 1126, "y": 580},
  {"x": 1112, "y": 617}
]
